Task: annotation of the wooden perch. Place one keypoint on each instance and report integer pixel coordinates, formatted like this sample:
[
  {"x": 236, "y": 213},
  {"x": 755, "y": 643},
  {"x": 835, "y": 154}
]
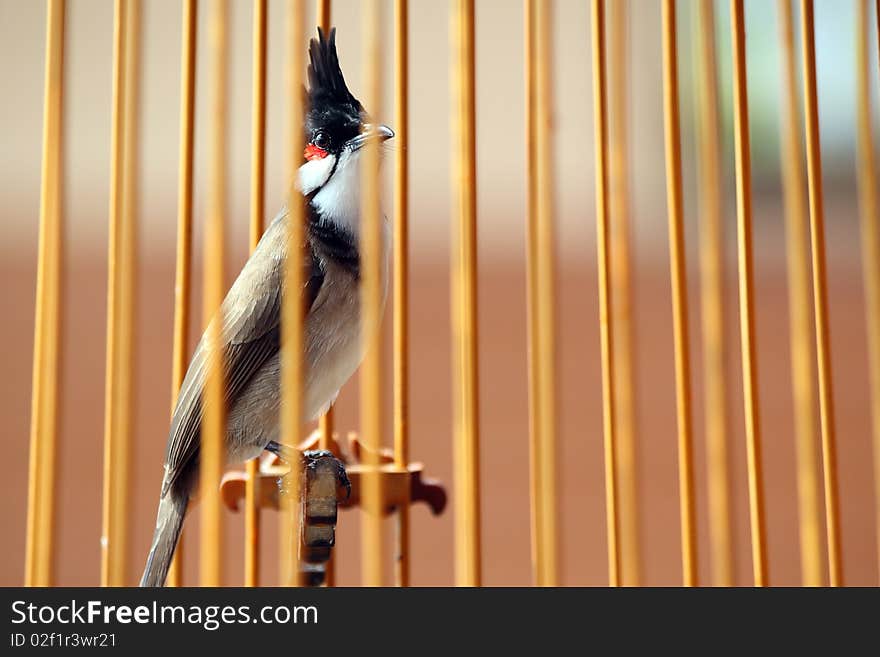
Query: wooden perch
[{"x": 399, "y": 486}]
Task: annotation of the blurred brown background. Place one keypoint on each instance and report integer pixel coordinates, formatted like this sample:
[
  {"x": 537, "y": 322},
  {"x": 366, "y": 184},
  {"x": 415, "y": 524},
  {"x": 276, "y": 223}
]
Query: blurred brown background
[{"x": 501, "y": 170}]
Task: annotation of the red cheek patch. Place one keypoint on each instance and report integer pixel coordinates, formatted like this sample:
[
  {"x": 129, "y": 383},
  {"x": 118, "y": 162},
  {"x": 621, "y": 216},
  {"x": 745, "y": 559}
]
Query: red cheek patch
[{"x": 312, "y": 152}]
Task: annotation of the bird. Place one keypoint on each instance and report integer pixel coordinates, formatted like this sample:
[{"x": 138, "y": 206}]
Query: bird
[{"x": 336, "y": 127}]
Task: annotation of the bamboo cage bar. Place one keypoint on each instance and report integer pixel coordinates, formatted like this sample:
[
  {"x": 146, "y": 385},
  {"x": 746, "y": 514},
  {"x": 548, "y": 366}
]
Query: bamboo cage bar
[
  {"x": 323, "y": 15},
  {"x": 747, "y": 295},
  {"x": 466, "y": 422},
  {"x": 606, "y": 317},
  {"x": 545, "y": 212},
  {"x": 679, "y": 294},
  {"x": 257, "y": 222},
  {"x": 117, "y": 401},
  {"x": 870, "y": 215},
  {"x": 47, "y": 323},
  {"x": 325, "y": 428},
  {"x": 626, "y": 388},
  {"x": 257, "y": 226},
  {"x": 711, "y": 236},
  {"x": 293, "y": 304},
  {"x": 540, "y": 295},
  {"x": 128, "y": 275},
  {"x": 183, "y": 258},
  {"x": 820, "y": 294},
  {"x": 533, "y": 355},
  {"x": 801, "y": 343},
  {"x": 371, "y": 307},
  {"x": 401, "y": 277},
  {"x": 212, "y": 452},
  {"x": 325, "y": 423}
]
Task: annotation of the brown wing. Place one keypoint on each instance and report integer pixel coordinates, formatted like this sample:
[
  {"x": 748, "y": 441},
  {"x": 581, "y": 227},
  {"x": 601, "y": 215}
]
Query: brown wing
[{"x": 251, "y": 335}]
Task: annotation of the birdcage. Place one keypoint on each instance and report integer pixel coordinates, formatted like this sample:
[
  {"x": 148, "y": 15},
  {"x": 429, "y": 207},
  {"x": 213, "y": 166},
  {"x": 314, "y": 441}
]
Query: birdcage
[{"x": 600, "y": 431}]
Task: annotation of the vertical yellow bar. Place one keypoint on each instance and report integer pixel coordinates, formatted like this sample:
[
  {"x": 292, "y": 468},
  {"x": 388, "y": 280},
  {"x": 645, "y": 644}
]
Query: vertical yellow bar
[
  {"x": 325, "y": 424},
  {"x": 323, "y": 15},
  {"x": 712, "y": 295},
  {"x": 325, "y": 429},
  {"x": 535, "y": 425},
  {"x": 326, "y": 421},
  {"x": 621, "y": 279},
  {"x": 679, "y": 295},
  {"x": 292, "y": 318},
  {"x": 41, "y": 468},
  {"x": 541, "y": 301},
  {"x": 464, "y": 326},
  {"x": 183, "y": 266},
  {"x": 258, "y": 124},
  {"x": 820, "y": 293},
  {"x": 118, "y": 305},
  {"x": 214, "y": 420},
  {"x": 371, "y": 306},
  {"x": 606, "y": 317},
  {"x": 796, "y": 218},
  {"x": 870, "y": 215},
  {"x": 545, "y": 210},
  {"x": 401, "y": 275},
  {"x": 127, "y": 292},
  {"x": 747, "y": 294},
  {"x": 258, "y": 178}
]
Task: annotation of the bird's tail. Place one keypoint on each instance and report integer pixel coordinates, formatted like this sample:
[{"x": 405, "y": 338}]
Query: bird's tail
[{"x": 169, "y": 520}]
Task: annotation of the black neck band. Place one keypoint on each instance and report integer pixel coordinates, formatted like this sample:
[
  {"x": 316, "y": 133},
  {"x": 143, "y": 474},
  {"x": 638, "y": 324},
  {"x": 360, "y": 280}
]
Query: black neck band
[{"x": 335, "y": 242}]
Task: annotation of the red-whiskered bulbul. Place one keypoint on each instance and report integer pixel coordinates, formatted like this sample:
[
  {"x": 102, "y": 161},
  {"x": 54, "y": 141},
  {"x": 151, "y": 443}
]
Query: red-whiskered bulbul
[{"x": 336, "y": 128}]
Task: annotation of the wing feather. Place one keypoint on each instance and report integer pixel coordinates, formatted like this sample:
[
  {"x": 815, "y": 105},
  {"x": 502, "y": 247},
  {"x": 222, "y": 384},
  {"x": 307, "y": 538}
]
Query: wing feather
[{"x": 251, "y": 335}]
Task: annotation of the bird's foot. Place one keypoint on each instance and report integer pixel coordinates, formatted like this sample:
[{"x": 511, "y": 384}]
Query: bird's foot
[
  {"x": 308, "y": 459},
  {"x": 283, "y": 452}
]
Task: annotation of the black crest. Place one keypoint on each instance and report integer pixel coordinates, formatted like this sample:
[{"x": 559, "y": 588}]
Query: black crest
[{"x": 326, "y": 84}]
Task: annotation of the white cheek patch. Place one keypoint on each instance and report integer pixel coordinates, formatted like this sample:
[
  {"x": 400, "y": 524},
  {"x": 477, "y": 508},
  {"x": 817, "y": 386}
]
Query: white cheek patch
[
  {"x": 314, "y": 173},
  {"x": 339, "y": 199}
]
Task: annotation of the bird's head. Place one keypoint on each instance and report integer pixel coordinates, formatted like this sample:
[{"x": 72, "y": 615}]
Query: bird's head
[{"x": 336, "y": 129}]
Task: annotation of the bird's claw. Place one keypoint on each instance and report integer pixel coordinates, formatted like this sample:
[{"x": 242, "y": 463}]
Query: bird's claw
[{"x": 308, "y": 459}]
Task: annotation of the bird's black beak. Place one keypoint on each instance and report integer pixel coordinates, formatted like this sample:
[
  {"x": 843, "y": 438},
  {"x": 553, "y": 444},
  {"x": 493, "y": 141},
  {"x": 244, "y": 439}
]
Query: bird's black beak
[{"x": 380, "y": 132}]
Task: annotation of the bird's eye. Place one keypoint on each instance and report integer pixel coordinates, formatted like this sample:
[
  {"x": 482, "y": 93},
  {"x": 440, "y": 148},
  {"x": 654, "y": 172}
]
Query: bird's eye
[{"x": 321, "y": 140}]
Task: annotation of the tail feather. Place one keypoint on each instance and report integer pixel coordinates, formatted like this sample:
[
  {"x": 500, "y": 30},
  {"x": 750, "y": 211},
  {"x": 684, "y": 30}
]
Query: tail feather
[{"x": 169, "y": 521}]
